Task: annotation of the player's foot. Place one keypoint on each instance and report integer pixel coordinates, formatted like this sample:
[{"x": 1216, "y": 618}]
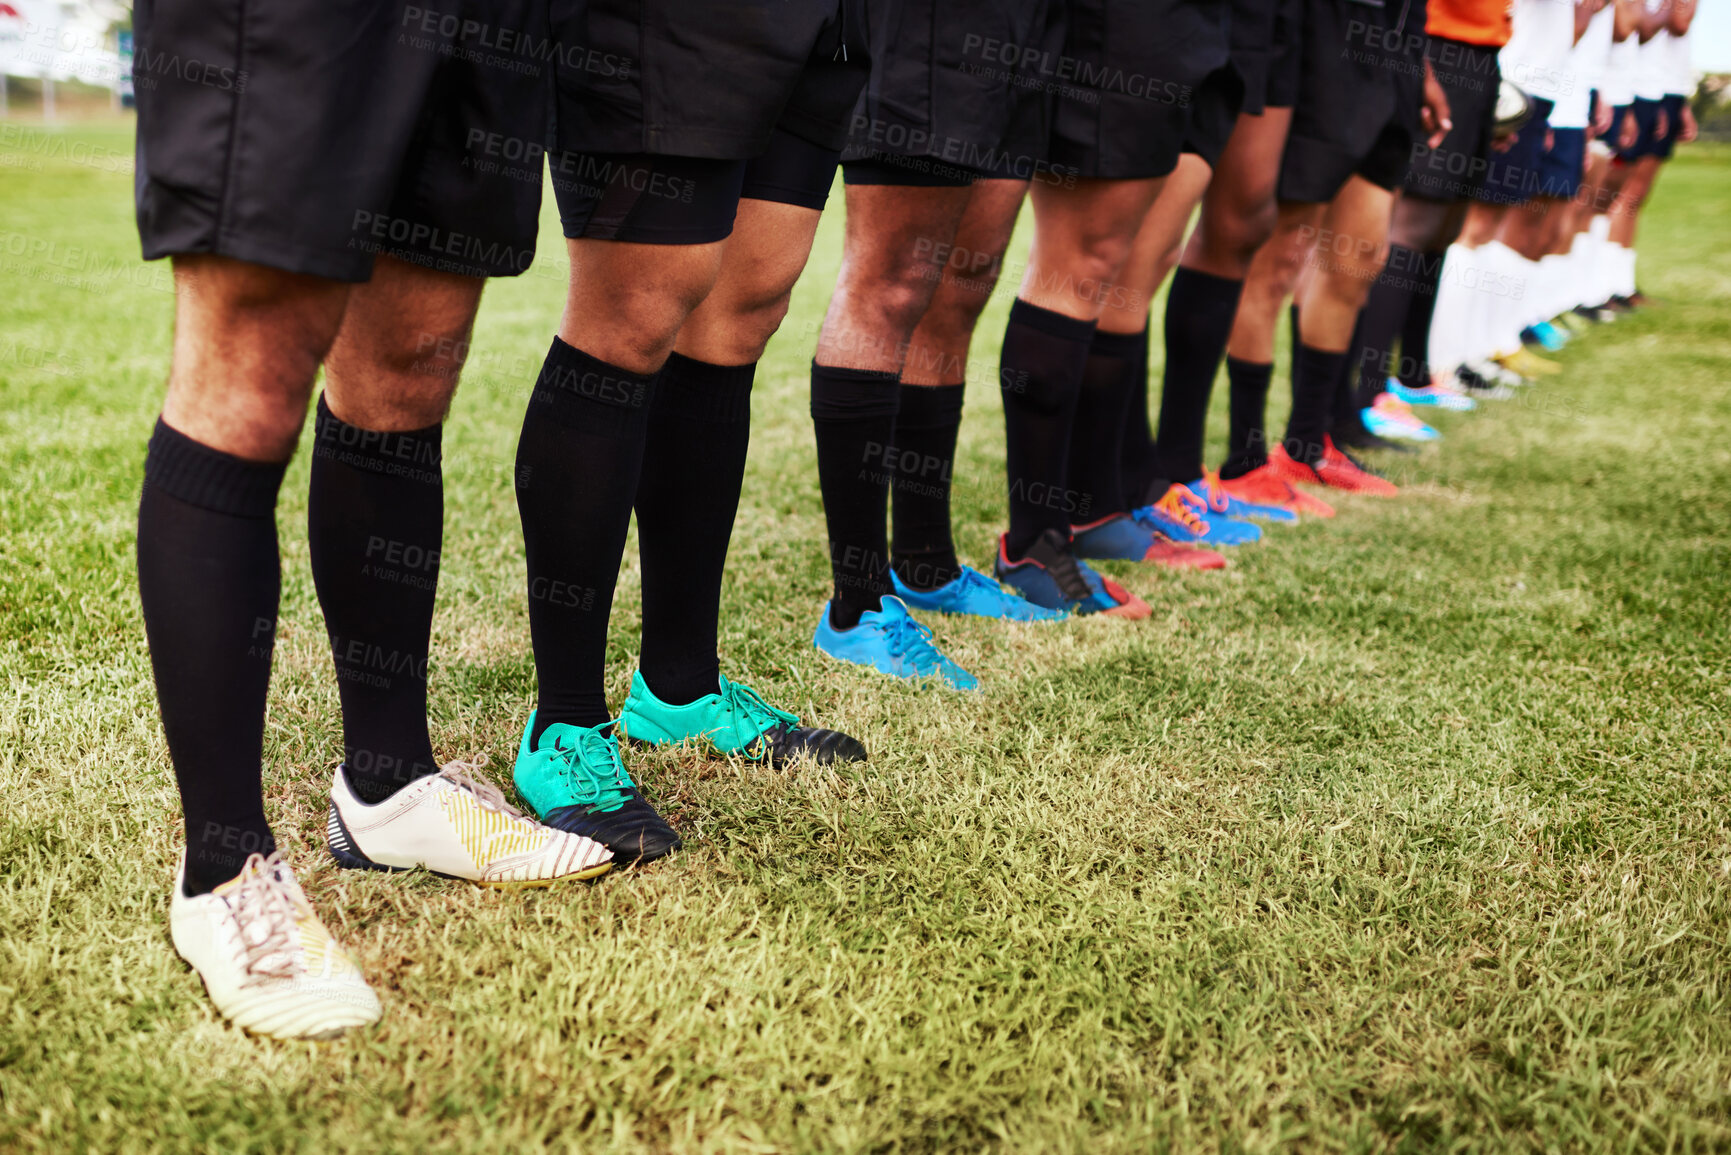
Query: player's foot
[
  {"x": 1228, "y": 504},
  {"x": 1640, "y": 300},
  {"x": 1476, "y": 385},
  {"x": 1356, "y": 435},
  {"x": 891, "y": 642},
  {"x": 1121, "y": 537},
  {"x": 1264, "y": 486},
  {"x": 973, "y": 594},
  {"x": 1289, "y": 468},
  {"x": 1527, "y": 363},
  {"x": 1619, "y": 304},
  {"x": 267, "y": 961},
  {"x": 1494, "y": 373},
  {"x": 1051, "y": 575},
  {"x": 1595, "y": 314},
  {"x": 1184, "y": 517},
  {"x": 1545, "y": 335},
  {"x": 1338, "y": 471},
  {"x": 574, "y": 779},
  {"x": 734, "y": 720},
  {"x": 457, "y": 825},
  {"x": 1393, "y": 418},
  {"x": 1432, "y": 395}
]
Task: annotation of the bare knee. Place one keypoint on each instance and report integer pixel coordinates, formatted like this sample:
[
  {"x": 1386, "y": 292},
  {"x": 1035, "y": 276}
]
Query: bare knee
[
  {"x": 736, "y": 329},
  {"x": 872, "y": 317},
  {"x": 404, "y": 340},
  {"x": 894, "y": 293},
  {"x": 247, "y": 344}
]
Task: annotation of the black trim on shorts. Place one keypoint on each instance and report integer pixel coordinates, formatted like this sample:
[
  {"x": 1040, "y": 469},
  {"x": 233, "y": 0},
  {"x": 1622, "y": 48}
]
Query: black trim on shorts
[
  {"x": 909, "y": 172},
  {"x": 645, "y": 199},
  {"x": 791, "y": 171}
]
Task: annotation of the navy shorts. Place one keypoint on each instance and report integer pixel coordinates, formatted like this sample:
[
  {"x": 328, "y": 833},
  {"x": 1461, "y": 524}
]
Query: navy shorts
[
  {"x": 1673, "y": 106},
  {"x": 1646, "y": 127},
  {"x": 1514, "y": 175},
  {"x": 1560, "y": 170}
]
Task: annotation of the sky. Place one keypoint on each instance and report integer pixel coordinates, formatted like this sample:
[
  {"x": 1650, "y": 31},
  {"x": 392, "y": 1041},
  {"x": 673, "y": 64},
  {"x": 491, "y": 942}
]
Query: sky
[{"x": 1711, "y": 36}]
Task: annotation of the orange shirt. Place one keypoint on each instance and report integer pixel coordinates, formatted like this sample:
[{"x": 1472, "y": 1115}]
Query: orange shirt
[{"x": 1482, "y": 22}]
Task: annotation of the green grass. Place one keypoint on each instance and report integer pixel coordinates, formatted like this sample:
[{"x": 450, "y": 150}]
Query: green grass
[{"x": 1408, "y": 832}]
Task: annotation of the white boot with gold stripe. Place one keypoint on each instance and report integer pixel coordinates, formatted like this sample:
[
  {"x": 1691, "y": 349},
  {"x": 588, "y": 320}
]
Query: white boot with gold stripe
[
  {"x": 266, "y": 959},
  {"x": 458, "y": 825}
]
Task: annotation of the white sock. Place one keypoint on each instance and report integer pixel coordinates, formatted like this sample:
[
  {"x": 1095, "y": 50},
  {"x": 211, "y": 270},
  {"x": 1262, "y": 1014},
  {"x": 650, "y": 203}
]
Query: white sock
[
  {"x": 1578, "y": 281},
  {"x": 1496, "y": 291},
  {"x": 1508, "y": 315},
  {"x": 1453, "y": 296},
  {"x": 1555, "y": 269}
]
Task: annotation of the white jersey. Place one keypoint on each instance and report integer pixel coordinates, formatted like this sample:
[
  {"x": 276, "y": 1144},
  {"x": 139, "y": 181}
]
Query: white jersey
[
  {"x": 1537, "y": 54},
  {"x": 1681, "y": 65},
  {"x": 1586, "y": 65},
  {"x": 1653, "y": 63},
  {"x": 1617, "y": 85}
]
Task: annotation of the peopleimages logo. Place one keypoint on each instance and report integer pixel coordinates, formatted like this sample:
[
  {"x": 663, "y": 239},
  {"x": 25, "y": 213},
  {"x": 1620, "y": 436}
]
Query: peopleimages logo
[{"x": 1039, "y": 64}]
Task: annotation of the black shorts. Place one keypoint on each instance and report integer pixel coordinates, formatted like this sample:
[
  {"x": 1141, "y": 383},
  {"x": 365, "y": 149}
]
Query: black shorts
[
  {"x": 1129, "y": 80},
  {"x": 1455, "y": 169},
  {"x": 1515, "y": 175},
  {"x": 959, "y": 91},
  {"x": 1253, "y": 48},
  {"x": 679, "y": 79},
  {"x": 682, "y": 200},
  {"x": 1358, "y": 101},
  {"x": 1662, "y": 147},
  {"x": 1285, "y": 57},
  {"x": 330, "y": 134},
  {"x": 1214, "y": 109}
]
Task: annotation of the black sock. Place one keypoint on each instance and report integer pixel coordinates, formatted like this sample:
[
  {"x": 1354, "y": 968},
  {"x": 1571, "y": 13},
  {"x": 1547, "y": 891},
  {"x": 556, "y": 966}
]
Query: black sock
[
  {"x": 577, "y": 465},
  {"x": 1097, "y": 432},
  {"x": 1315, "y": 377},
  {"x": 1137, "y": 464},
  {"x": 208, "y": 579},
  {"x": 922, "y": 549},
  {"x": 1246, "y": 440},
  {"x": 1415, "y": 332},
  {"x": 1199, "y": 312},
  {"x": 693, "y": 467},
  {"x": 1380, "y": 323},
  {"x": 854, "y": 414},
  {"x": 375, "y": 521},
  {"x": 1041, "y": 373},
  {"x": 1343, "y": 407}
]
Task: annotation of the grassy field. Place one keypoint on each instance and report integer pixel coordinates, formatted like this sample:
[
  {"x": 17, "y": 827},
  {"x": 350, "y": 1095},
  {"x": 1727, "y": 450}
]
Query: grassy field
[{"x": 1408, "y": 832}]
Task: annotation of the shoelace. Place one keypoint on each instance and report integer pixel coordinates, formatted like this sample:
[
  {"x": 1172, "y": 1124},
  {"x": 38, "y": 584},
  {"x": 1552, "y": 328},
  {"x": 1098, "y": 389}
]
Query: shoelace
[
  {"x": 1068, "y": 574},
  {"x": 974, "y": 579},
  {"x": 488, "y": 795},
  {"x": 744, "y": 703},
  {"x": 1217, "y": 499},
  {"x": 909, "y": 639},
  {"x": 1180, "y": 505},
  {"x": 592, "y": 749},
  {"x": 261, "y": 902}
]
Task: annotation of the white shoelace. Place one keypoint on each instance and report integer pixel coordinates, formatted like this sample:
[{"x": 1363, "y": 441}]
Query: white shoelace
[
  {"x": 462, "y": 774},
  {"x": 264, "y": 909}
]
